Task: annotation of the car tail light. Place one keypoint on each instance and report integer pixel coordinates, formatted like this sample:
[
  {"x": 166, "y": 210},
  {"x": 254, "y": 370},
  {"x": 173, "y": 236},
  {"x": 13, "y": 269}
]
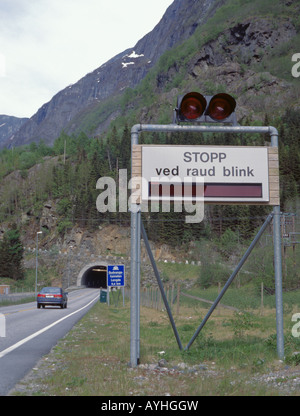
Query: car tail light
[
  {"x": 58, "y": 296},
  {"x": 41, "y": 296}
]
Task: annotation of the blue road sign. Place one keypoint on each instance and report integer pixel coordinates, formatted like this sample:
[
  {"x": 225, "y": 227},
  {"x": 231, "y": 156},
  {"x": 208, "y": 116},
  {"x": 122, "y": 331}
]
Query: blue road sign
[{"x": 116, "y": 275}]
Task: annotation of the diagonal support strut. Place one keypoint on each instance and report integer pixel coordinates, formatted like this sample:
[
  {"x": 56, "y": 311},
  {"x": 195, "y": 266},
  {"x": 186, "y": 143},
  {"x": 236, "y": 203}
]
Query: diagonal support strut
[{"x": 231, "y": 278}]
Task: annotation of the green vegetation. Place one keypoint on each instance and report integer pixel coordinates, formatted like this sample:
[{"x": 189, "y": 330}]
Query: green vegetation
[
  {"x": 47, "y": 276},
  {"x": 11, "y": 255},
  {"x": 73, "y": 178},
  {"x": 229, "y": 357},
  {"x": 70, "y": 179}
]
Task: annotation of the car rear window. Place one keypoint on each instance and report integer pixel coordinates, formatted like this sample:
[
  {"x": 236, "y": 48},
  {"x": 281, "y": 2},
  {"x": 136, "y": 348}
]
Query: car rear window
[{"x": 50, "y": 290}]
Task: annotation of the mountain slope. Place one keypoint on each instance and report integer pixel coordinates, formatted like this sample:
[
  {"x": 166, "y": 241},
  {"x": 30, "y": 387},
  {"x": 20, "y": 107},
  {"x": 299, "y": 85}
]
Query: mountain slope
[
  {"x": 244, "y": 49},
  {"x": 8, "y": 126},
  {"x": 240, "y": 47},
  {"x": 125, "y": 70}
]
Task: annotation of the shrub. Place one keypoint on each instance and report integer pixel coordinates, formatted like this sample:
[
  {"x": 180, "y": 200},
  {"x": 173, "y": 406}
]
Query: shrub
[{"x": 212, "y": 273}]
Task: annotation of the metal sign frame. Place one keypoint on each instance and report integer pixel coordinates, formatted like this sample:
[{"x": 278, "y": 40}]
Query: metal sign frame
[{"x": 137, "y": 229}]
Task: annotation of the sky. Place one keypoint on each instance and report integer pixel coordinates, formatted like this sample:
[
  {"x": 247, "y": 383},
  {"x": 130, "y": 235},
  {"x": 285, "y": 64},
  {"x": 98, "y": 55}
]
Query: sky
[{"x": 46, "y": 45}]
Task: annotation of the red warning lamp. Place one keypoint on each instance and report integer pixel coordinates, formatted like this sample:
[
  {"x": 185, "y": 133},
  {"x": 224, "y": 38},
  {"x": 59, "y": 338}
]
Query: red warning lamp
[
  {"x": 195, "y": 107},
  {"x": 221, "y": 106},
  {"x": 192, "y": 106}
]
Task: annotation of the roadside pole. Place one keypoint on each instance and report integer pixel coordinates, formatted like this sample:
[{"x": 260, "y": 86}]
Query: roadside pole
[
  {"x": 134, "y": 275},
  {"x": 278, "y": 268}
]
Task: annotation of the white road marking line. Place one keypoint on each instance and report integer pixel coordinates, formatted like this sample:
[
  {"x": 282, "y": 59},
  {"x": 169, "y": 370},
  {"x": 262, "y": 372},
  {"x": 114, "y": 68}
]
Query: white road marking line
[{"x": 30, "y": 337}]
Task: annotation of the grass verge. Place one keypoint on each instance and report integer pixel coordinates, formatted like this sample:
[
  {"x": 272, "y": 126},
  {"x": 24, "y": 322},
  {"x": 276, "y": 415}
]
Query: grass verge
[{"x": 235, "y": 354}]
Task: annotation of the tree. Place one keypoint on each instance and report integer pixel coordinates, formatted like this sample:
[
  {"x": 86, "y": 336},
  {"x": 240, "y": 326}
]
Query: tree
[
  {"x": 11, "y": 255},
  {"x": 125, "y": 148}
]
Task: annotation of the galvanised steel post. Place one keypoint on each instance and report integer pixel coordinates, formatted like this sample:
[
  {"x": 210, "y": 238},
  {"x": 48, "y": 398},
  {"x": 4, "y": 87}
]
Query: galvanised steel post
[
  {"x": 134, "y": 275},
  {"x": 278, "y": 266},
  {"x": 138, "y": 274}
]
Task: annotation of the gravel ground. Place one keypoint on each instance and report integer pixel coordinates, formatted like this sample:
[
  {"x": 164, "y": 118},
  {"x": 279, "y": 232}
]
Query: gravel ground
[{"x": 285, "y": 380}]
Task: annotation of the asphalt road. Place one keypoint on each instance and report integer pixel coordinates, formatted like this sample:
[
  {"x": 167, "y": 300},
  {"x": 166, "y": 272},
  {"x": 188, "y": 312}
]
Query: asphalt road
[{"x": 30, "y": 333}]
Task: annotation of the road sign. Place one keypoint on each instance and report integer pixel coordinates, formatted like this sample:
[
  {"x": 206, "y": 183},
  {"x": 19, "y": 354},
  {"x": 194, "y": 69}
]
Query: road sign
[
  {"x": 227, "y": 174},
  {"x": 116, "y": 275}
]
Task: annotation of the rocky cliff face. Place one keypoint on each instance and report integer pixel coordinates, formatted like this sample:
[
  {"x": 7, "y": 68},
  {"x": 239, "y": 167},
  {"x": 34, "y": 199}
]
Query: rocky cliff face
[
  {"x": 125, "y": 70},
  {"x": 234, "y": 60},
  {"x": 9, "y": 126}
]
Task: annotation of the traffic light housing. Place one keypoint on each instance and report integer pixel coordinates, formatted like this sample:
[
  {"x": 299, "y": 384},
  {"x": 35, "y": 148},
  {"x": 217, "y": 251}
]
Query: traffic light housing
[{"x": 197, "y": 108}]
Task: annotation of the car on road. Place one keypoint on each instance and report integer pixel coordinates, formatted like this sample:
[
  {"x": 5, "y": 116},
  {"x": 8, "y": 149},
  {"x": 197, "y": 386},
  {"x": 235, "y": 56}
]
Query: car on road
[{"x": 52, "y": 296}]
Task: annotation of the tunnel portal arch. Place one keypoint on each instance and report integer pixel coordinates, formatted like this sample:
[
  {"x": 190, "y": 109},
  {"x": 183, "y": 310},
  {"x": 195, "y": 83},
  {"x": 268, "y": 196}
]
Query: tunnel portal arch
[{"x": 93, "y": 275}]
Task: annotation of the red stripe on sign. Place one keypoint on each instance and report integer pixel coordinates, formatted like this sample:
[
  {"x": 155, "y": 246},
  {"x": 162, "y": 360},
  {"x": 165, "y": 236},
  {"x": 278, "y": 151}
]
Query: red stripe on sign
[
  {"x": 233, "y": 190},
  {"x": 211, "y": 190}
]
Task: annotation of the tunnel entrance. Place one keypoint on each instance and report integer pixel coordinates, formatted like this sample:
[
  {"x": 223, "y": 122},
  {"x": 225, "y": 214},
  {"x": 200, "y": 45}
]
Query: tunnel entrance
[{"x": 93, "y": 276}]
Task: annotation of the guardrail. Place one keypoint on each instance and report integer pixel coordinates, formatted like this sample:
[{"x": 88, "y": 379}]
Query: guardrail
[{"x": 16, "y": 297}]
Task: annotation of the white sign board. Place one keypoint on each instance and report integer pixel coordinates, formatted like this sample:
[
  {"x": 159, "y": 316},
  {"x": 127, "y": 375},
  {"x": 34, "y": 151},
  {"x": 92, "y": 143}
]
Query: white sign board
[{"x": 227, "y": 174}]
